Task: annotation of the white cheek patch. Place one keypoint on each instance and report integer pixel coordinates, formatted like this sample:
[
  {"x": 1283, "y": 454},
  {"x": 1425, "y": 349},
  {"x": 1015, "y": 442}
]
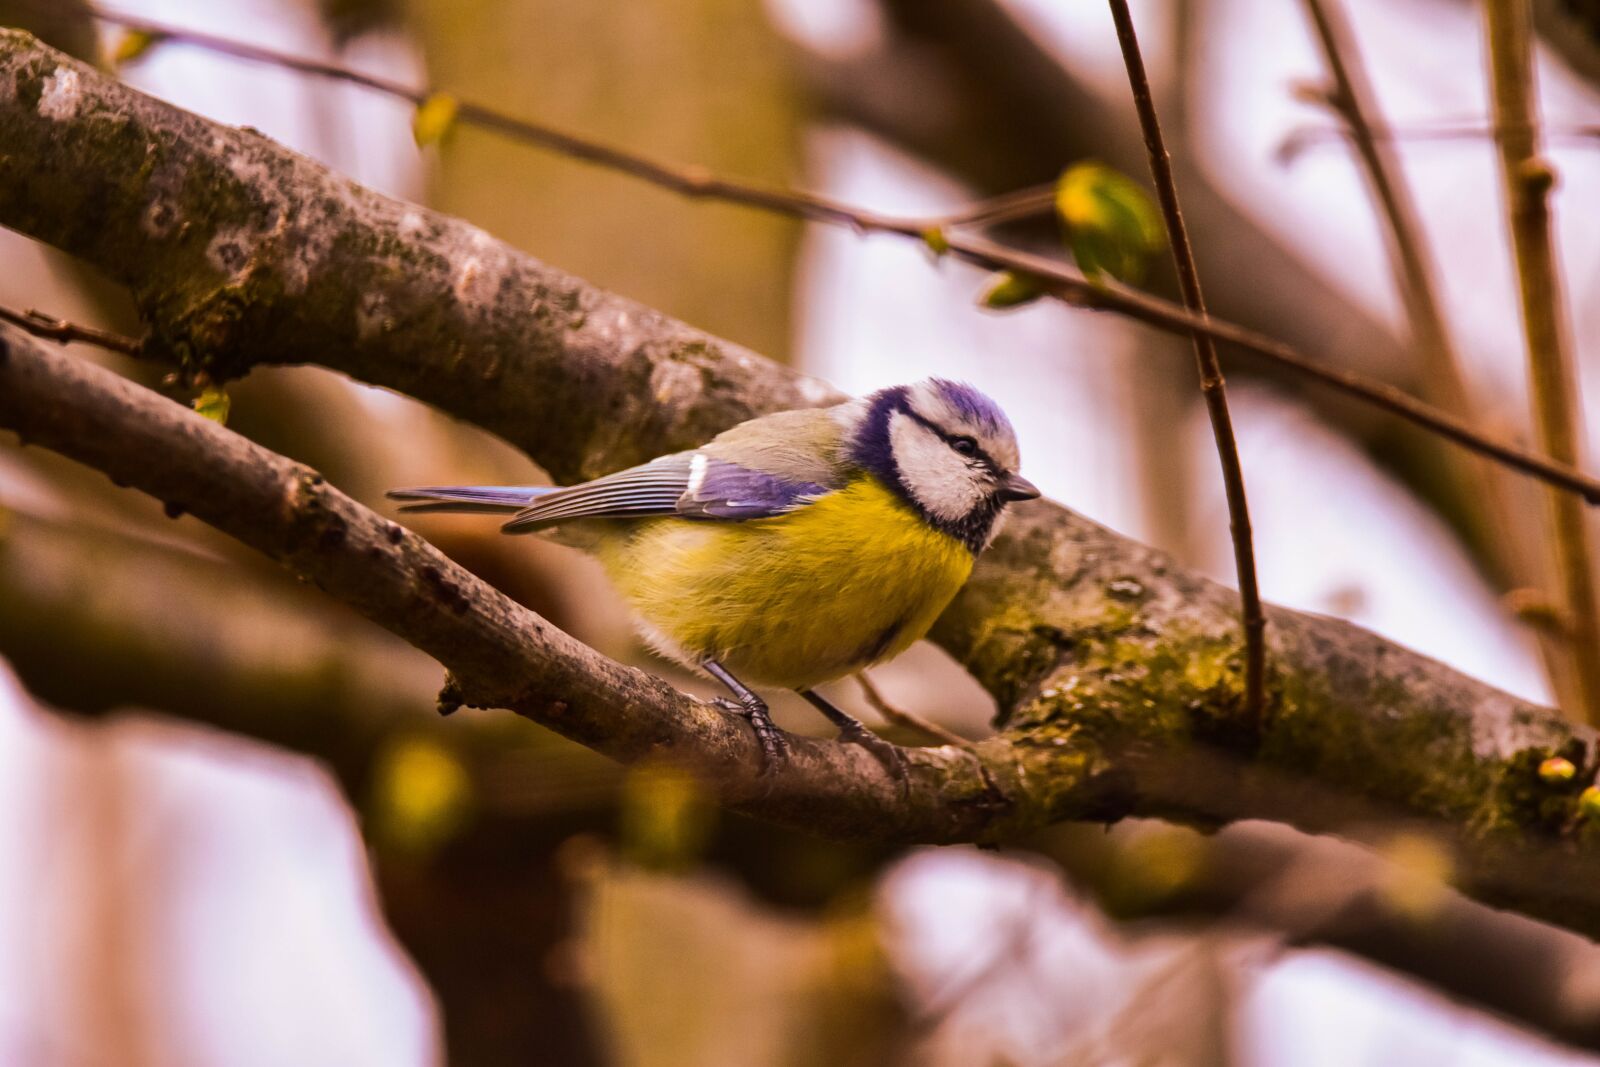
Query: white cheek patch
[
  {"x": 926, "y": 400},
  {"x": 939, "y": 479}
]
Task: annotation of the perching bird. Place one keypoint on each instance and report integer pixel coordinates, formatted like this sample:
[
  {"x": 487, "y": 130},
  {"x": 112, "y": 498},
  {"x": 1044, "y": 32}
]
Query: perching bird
[{"x": 795, "y": 548}]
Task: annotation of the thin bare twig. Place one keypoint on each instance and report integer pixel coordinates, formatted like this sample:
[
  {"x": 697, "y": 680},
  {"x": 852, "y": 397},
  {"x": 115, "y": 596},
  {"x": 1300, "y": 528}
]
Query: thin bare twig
[
  {"x": 1353, "y": 100},
  {"x": 1527, "y": 180},
  {"x": 1515, "y": 543},
  {"x": 908, "y": 719},
  {"x": 1007, "y": 207},
  {"x": 1056, "y": 278},
  {"x": 63, "y": 332},
  {"x": 1205, "y": 354},
  {"x": 1304, "y": 137},
  {"x": 1137, "y": 305}
]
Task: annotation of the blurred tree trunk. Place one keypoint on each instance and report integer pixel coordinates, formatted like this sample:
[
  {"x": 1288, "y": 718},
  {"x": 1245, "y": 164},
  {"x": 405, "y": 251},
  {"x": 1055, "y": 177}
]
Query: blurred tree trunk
[{"x": 701, "y": 81}]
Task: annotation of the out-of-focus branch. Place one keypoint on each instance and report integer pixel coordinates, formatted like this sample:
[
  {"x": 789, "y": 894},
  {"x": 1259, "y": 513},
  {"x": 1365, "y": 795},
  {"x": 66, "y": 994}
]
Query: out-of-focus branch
[
  {"x": 182, "y": 632},
  {"x": 908, "y": 719},
  {"x": 1054, "y": 277},
  {"x": 1323, "y": 891},
  {"x": 1513, "y": 543},
  {"x": 1205, "y": 354},
  {"x": 1438, "y": 130},
  {"x": 1352, "y": 98},
  {"x": 1527, "y": 180},
  {"x": 64, "y": 332}
]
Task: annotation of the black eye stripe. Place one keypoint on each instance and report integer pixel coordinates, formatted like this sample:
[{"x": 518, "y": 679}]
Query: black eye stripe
[{"x": 977, "y": 453}]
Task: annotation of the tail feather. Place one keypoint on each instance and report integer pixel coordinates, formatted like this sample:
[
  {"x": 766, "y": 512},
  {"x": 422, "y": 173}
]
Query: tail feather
[{"x": 479, "y": 499}]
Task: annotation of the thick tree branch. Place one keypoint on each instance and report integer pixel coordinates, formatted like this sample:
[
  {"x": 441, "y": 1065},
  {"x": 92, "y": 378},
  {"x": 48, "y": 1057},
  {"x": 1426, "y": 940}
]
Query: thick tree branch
[
  {"x": 261, "y": 657},
  {"x": 499, "y": 654},
  {"x": 1120, "y": 675},
  {"x": 210, "y": 153}
]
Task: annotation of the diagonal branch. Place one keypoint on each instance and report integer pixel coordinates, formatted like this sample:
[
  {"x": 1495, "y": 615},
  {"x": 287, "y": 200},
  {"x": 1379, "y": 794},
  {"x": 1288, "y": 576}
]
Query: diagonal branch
[
  {"x": 1055, "y": 278},
  {"x": 908, "y": 719},
  {"x": 1205, "y": 355},
  {"x": 61, "y": 331},
  {"x": 499, "y": 654}
]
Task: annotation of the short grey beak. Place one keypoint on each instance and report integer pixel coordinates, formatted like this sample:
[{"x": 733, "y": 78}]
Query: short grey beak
[{"x": 1016, "y": 487}]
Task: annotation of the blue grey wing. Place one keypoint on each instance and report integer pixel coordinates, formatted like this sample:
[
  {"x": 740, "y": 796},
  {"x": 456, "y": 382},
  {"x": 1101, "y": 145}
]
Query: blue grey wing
[
  {"x": 688, "y": 484},
  {"x": 725, "y": 490},
  {"x": 639, "y": 492}
]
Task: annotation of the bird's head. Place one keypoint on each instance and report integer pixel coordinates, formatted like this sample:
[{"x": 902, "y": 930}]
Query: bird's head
[{"x": 948, "y": 450}]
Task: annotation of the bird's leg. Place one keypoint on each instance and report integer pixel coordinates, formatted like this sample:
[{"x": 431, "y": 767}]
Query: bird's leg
[
  {"x": 774, "y": 749},
  {"x": 852, "y": 730}
]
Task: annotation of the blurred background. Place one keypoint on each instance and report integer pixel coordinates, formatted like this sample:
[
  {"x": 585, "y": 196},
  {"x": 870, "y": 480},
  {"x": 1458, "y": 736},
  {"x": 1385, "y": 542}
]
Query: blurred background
[{"x": 233, "y": 830}]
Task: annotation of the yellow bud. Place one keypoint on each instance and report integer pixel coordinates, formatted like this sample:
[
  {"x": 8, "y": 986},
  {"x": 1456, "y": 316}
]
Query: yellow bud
[
  {"x": 1557, "y": 769},
  {"x": 1535, "y": 608},
  {"x": 133, "y": 45},
  {"x": 421, "y": 794},
  {"x": 1538, "y": 177},
  {"x": 1418, "y": 875},
  {"x": 1589, "y": 802},
  {"x": 1009, "y": 290},
  {"x": 667, "y": 815},
  {"x": 434, "y": 118},
  {"x": 1112, "y": 225},
  {"x": 214, "y": 404}
]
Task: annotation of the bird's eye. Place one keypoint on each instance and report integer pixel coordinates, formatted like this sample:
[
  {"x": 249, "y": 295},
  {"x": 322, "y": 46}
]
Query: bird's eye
[{"x": 964, "y": 445}]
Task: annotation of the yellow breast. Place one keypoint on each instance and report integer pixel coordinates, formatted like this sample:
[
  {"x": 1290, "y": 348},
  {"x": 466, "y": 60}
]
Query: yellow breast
[{"x": 796, "y": 600}]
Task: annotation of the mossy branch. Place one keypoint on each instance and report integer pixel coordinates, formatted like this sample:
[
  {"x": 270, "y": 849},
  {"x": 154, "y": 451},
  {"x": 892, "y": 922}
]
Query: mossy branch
[{"x": 1120, "y": 675}]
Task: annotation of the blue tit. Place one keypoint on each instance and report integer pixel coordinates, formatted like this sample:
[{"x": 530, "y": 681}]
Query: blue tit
[{"x": 795, "y": 548}]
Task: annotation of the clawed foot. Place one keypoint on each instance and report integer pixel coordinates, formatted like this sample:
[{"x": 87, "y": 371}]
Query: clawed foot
[
  {"x": 885, "y": 752},
  {"x": 774, "y": 746}
]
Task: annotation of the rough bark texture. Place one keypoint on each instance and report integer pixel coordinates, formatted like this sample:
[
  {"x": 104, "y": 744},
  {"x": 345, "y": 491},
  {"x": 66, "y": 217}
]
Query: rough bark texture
[
  {"x": 1119, "y": 674},
  {"x": 241, "y": 252},
  {"x": 499, "y": 653}
]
